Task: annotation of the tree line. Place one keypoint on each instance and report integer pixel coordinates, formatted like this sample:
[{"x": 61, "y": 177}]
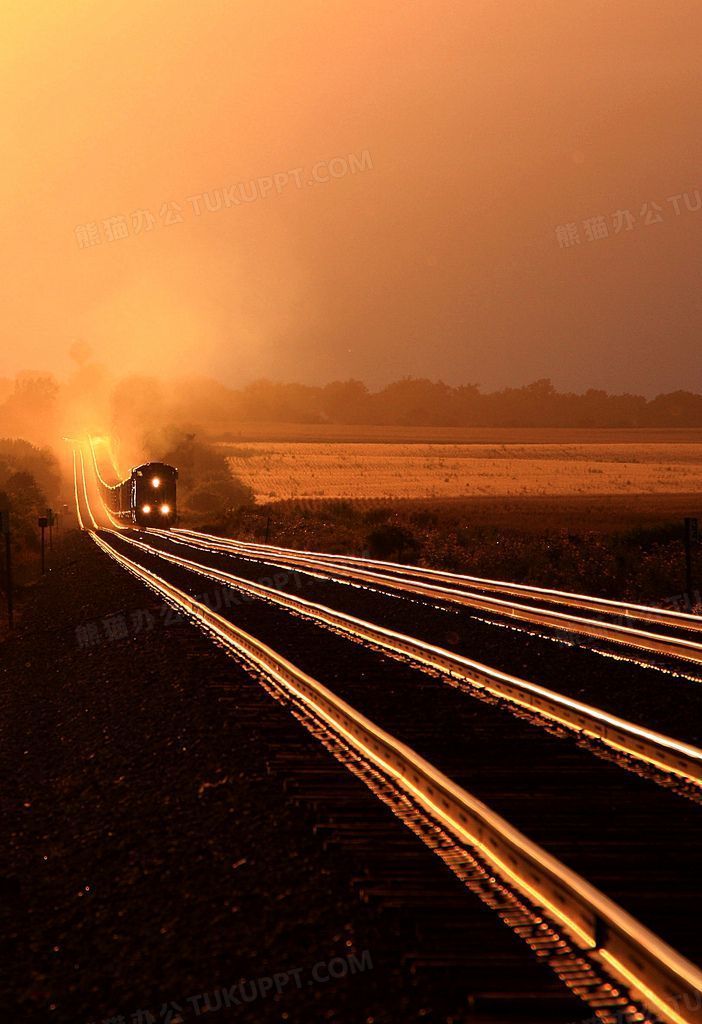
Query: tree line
[
  {"x": 39, "y": 408},
  {"x": 29, "y": 481},
  {"x": 424, "y": 402},
  {"x": 418, "y": 402}
]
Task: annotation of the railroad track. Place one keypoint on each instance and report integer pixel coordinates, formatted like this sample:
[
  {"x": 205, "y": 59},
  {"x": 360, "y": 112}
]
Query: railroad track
[
  {"x": 559, "y": 598},
  {"x": 682, "y": 644},
  {"x": 587, "y": 936},
  {"x": 662, "y": 752},
  {"x": 583, "y": 924}
]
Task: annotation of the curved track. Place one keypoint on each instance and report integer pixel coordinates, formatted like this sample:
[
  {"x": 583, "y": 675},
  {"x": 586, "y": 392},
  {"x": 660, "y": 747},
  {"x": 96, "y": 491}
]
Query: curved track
[
  {"x": 557, "y": 598},
  {"x": 663, "y": 752},
  {"x": 680, "y": 642},
  {"x": 583, "y": 926}
]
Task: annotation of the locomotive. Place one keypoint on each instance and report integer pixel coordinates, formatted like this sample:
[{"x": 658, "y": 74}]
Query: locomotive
[{"x": 147, "y": 497}]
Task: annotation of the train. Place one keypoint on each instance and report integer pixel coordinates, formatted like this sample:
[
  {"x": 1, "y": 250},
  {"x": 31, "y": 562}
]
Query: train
[{"x": 147, "y": 497}]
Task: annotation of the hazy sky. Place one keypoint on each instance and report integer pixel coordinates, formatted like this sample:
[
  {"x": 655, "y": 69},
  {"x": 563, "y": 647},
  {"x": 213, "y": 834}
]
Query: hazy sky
[{"x": 487, "y": 125}]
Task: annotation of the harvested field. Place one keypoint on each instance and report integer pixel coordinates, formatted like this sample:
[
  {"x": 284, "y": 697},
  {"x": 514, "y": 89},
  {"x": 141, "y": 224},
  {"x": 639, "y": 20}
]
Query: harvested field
[
  {"x": 379, "y": 470},
  {"x": 375, "y": 433}
]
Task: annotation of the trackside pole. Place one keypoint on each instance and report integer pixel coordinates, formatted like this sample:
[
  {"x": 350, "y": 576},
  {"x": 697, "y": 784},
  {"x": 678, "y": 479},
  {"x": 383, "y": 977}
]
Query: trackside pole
[
  {"x": 692, "y": 536},
  {"x": 43, "y": 523},
  {"x": 5, "y": 531}
]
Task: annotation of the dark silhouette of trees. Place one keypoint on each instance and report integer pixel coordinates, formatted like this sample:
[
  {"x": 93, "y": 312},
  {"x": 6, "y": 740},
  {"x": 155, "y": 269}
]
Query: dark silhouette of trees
[
  {"x": 423, "y": 403},
  {"x": 677, "y": 409},
  {"x": 36, "y": 407}
]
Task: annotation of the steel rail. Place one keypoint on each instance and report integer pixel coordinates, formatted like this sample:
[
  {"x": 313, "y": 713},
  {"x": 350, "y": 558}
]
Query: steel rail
[
  {"x": 106, "y": 441},
  {"x": 663, "y": 752},
  {"x": 607, "y": 606},
  {"x": 85, "y": 490},
  {"x": 654, "y": 972},
  {"x": 126, "y": 522},
  {"x": 81, "y": 524},
  {"x": 625, "y": 636},
  {"x": 98, "y": 474}
]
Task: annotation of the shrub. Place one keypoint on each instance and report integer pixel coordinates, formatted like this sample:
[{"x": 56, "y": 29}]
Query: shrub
[
  {"x": 205, "y": 482},
  {"x": 392, "y": 541}
]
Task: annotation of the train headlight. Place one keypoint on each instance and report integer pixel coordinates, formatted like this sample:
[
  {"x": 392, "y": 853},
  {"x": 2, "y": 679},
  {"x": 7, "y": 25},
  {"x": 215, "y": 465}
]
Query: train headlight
[
  {"x": 146, "y": 509},
  {"x": 156, "y": 482},
  {"x": 165, "y": 509}
]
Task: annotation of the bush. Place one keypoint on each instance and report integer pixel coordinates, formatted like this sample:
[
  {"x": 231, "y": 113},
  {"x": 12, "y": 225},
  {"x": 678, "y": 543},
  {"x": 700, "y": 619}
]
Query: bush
[
  {"x": 381, "y": 514},
  {"x": 392, "y": 542},
  {"x": 29, "y": 481},
  {"x": 205, "y": 483}
]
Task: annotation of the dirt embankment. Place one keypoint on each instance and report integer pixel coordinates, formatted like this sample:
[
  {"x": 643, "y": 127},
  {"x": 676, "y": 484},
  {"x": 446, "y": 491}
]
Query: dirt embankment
[
  {"x": 156, "y": 857},
  {"x": 150, "y": 858}
]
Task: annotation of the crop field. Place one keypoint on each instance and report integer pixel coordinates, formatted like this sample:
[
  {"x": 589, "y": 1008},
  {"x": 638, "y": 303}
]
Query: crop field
[
  {"x": 420, "y": 469},
  {"x": 375, "y": 433}
]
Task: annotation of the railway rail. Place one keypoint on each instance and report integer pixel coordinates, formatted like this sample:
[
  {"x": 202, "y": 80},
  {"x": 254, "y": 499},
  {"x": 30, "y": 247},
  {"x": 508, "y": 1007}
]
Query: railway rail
[
  {"x": 649, "y": 647},
  {"x": 585, "y": 931},
  {"x": 605, "y": 606},
  {"x": 664, "y": 753}
]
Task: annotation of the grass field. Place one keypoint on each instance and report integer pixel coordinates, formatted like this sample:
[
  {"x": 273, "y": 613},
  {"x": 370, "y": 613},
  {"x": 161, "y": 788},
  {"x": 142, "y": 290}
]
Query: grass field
[
  {"x": 613, "y": 463},
  {"x": 622, "y": 546},
  {"x": 598, "y": 511},
  {"x": 378, "y": 434}
]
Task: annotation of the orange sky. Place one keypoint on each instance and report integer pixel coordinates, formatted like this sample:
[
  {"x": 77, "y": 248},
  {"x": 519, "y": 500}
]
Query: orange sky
[{"x": 487, "y": 124}]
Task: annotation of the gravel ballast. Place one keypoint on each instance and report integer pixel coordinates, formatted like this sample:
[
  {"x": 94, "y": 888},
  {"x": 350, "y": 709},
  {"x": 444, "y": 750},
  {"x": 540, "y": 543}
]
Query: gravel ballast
[
  {"x": 644, "y": 695},
  {"x": 630, "y": 837},
  {"x": 152, "y": 859}
]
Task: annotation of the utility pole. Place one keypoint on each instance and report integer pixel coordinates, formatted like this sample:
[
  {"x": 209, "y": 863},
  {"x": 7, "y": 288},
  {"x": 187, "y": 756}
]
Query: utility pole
[
  {"x": 50, "y": 519},
  {"x": 43, "y": 523},
  {"x": 692, "y": 536},
  {"x": 5, "y": 531}
]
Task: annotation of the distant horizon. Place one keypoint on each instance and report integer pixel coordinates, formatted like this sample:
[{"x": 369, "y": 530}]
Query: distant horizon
[
  {"x": 373, "y": 382},
  {"x": 7, "y": 382},
  {"x": 42, "y": 408}
]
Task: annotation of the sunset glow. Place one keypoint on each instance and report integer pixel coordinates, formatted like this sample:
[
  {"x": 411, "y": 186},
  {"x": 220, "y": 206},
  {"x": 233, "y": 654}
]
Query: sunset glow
[
  {"x": 350, "y": 502},
  {"x": 487, "y": 126}
]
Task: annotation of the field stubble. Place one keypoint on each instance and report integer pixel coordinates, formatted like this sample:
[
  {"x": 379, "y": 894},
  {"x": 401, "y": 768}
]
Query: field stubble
[
  {"x": 299, "y": 470},
  {"x": 594, "y": 511}
]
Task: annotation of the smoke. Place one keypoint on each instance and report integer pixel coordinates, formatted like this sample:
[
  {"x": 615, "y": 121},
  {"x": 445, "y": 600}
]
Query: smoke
[{"x": 136, "y": 417}]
